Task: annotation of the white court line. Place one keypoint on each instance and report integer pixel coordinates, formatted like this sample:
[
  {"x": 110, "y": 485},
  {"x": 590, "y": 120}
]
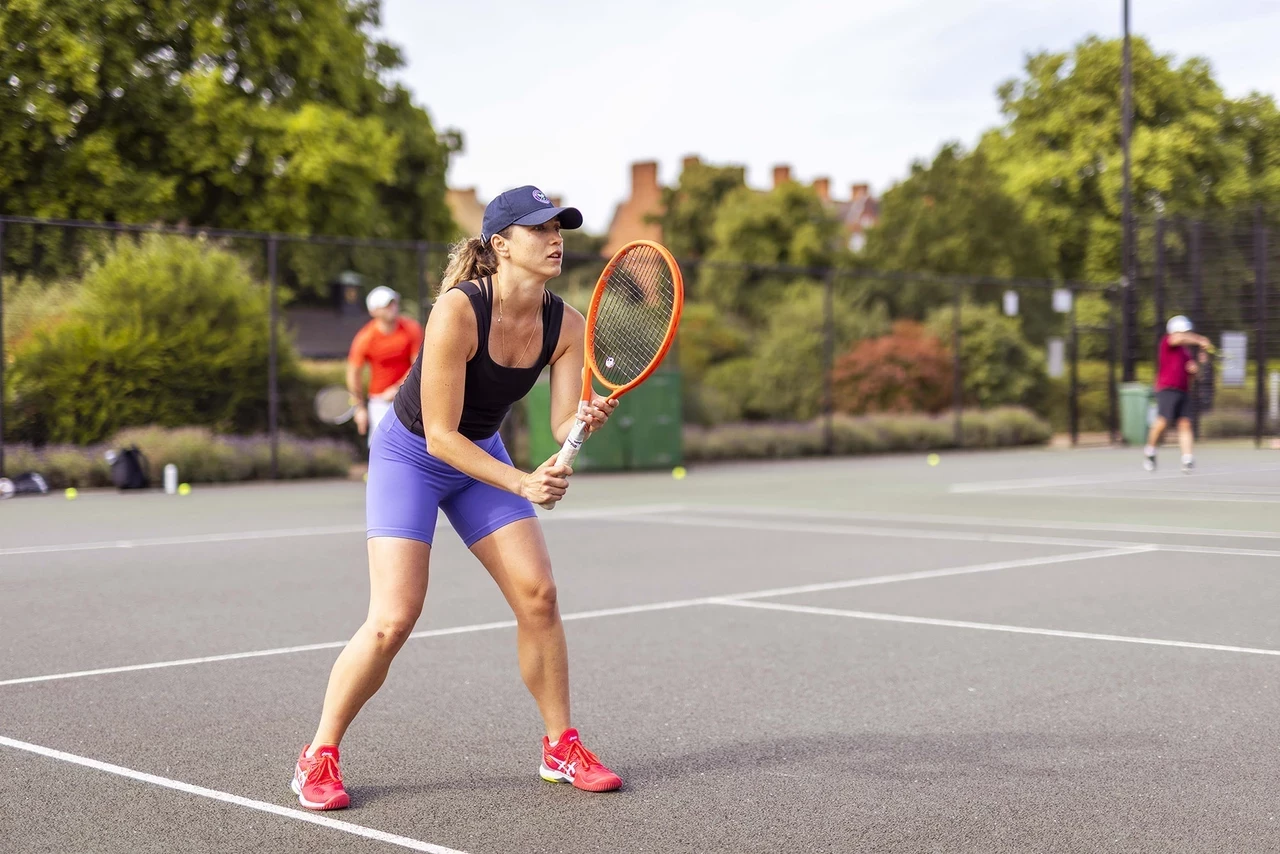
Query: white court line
[
  {"x": 284, "y": 533},
  {"x": 930, "y": 573},
  {"x": 603, "y": 612},
  {"x": 1091, "y": 480},
  {"x": 854, "y": 530},
  {"x": 992, "y": 627},
  {"x": 227, "y": 798},
  {"x": 920, "y": 534},
  {"x": 1140, "y": 495},
  {"x": 987, "y": 521}
]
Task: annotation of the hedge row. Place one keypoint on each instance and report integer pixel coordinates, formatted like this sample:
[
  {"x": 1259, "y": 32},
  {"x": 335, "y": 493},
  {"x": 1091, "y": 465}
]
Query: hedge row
[
  {"x": 994, "y": 428},
  {"x": 200, "y": 455}
]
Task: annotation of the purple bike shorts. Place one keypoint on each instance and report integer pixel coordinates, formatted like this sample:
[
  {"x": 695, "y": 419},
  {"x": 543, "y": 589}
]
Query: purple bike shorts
[{"x": 407, "y": 486}]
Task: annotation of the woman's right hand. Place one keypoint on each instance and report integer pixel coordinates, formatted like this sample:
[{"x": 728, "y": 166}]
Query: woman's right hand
[{"x": 547, "y": 483}]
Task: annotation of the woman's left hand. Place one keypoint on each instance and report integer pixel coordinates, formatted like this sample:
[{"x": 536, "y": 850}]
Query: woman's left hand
[{"x": 597, "y": 412}]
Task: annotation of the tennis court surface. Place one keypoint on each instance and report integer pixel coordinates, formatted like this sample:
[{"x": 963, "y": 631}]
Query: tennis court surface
[{"x": 1025, "y": 651}]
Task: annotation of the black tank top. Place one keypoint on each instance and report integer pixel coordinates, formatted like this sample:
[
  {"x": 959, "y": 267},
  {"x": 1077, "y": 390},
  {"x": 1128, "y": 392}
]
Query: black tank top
[{"x": 490, "y": 388}]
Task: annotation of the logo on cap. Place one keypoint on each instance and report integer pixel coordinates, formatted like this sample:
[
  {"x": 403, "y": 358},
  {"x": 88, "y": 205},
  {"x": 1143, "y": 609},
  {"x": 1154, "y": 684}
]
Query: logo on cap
[{"x": 539, "y": 197}]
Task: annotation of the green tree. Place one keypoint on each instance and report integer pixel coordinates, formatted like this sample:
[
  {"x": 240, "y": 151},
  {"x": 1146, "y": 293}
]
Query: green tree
[
  {"x": 1193, "y": 148},
  {"x": 166, "y": 331},
  {"x": 789, "y": 362},
  {"x": 214, "y": 113},
  {"x": 786, "y": 226},
  {"x": 952, "y": 216},
  {"x": 689, "y": 209},
  {"x": 998, "y": 366}
]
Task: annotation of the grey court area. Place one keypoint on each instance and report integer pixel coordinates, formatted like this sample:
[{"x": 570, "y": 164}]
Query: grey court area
[{"x": 1025, "y": 651}]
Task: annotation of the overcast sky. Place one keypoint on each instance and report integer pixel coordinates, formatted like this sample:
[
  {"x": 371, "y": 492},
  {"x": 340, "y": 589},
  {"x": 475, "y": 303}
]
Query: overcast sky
[{"x": 565, "y": 95}]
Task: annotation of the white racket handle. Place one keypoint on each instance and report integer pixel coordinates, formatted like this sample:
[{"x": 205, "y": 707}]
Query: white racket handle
[{"x": 569, "y": 451}]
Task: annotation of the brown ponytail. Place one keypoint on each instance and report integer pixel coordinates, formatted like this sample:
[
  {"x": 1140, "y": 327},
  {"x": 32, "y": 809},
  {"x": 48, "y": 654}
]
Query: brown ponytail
[{"x": 469, "y": 259}]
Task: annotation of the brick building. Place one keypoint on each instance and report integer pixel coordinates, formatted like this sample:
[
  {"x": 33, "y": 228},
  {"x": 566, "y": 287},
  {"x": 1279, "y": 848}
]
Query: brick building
[
  {"x": 858, "y": 213},
  {"x": 630, "y": 219}
]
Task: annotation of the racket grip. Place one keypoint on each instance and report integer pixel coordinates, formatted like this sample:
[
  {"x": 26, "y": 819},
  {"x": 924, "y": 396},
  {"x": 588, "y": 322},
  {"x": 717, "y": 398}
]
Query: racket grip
[{"x": 569, "y": 451}]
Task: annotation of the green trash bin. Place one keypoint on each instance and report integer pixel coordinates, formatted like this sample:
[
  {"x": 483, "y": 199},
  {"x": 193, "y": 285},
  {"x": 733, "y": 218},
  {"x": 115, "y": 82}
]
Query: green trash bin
[
  {"x": 644, "y": 432},
  {"x": 1137, "y": 412},
  {"x": 605, "y": 451}
]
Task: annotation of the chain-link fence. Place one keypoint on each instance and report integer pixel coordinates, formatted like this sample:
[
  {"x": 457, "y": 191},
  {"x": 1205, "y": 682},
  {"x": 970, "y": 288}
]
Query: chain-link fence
[
  {"x": 1221, "y": 274},
  {"x": 758, "y": 342}
]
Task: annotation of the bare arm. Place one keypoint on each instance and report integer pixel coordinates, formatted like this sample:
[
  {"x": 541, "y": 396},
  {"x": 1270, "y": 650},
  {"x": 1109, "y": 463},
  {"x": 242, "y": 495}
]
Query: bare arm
[
  {"x": 450, "y": 342},
  {"x": 355, "y": 384},
  {"x": 1189, "y": 339},
  {"x": 566, "y": 380}
]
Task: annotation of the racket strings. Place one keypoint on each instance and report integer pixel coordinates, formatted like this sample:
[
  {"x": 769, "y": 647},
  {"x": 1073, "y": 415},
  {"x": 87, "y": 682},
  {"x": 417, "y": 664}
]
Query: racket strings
[
  {"x": 634, "y": 316},
  {"x": 332, "y": 403}
]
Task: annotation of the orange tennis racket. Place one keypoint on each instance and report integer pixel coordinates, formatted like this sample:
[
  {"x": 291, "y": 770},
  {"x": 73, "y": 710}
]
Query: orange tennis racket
[{"x": 635, "y": 311}]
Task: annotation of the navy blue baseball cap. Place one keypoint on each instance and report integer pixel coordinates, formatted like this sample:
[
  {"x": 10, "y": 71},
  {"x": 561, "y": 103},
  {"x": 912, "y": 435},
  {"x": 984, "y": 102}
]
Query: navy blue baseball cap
[{"x": 524, "y": 206}]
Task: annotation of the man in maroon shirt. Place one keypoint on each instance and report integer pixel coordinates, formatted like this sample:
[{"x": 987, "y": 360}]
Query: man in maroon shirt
[{"x": 1177, "y": 365}]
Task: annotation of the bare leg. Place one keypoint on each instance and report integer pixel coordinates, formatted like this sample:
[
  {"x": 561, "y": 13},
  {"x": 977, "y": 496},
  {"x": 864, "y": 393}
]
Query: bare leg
[
  {"x": 1186, "y": 436},
  {"x": 398, "y": 570},
  {"x": 1157, "y": 431},
  {"x": 516, "y": 556}
]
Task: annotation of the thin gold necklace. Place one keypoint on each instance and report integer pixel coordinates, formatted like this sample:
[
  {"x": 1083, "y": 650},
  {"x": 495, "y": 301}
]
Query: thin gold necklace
[{"x": 502, "y": 301}]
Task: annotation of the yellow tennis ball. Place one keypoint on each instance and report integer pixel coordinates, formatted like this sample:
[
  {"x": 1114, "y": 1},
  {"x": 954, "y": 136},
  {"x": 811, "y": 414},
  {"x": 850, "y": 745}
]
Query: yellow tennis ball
[
  {"x": 678, "y": 472},
  {"x": 184, "y": 489},
  {"x": 934, "y": 459},
  {"x": 71, "y": 492}
]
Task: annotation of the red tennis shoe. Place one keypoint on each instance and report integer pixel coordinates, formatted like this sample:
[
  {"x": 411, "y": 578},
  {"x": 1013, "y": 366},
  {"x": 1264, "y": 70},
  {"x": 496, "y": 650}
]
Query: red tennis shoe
[
  {"x": 569, "y": 762},
  {"x": 317, "y": 781}
]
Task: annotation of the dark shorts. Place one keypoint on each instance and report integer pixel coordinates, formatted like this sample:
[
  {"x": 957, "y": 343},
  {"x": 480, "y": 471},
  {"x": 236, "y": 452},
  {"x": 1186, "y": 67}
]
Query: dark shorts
[
  {"x": 407, "y": 486},
  {"x": 1172, "y": 404}
]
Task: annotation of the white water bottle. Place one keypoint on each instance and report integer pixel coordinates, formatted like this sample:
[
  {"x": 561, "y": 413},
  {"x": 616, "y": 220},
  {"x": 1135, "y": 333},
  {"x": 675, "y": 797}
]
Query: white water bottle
[{"x": 170, "y": 479}]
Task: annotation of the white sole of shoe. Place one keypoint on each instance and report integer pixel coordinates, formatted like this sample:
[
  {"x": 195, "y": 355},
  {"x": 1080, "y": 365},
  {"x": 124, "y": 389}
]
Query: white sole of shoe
[
  {"x": 553, "y": 776},
  {"x": 311, "y": 805}
]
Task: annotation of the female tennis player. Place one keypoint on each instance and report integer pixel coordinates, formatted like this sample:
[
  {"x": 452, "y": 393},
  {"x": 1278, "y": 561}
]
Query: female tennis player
[{"x": 492, "y": 330}]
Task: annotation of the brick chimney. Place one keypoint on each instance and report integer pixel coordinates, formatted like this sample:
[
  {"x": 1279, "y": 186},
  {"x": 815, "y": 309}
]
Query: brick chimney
[
  {"x": 781, "y": 175},
  {"x": 691, "y": 160},
  {"x": 631, "y": 219},
  {"x": 822, "y": 186},
  {"x": 644, "y": 177},
  {"x": 860, "y": 191}
]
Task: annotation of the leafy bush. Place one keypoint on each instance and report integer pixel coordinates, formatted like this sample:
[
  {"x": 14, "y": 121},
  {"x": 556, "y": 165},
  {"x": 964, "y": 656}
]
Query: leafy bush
[
  {"x": 165, "y": 331},
  {"x": 708, "y": 337},
  {"x": 1226, "y": 424},
  {"x": 201, "y": 457},
  {"x": 998, "y": 366},
  {"x": 908, "y": 370},
  {"x": 1004, "y": 427},
  {"x": 786, "y": 380}
]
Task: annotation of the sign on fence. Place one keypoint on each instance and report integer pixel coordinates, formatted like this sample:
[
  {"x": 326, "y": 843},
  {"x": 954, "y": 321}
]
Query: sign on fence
[
  {"x": 1057, "y": 357},
  {"x": 1273, "y": 408},
  {"x": 1011, "y": 303},
  {"x": 1234, "y": 357}
]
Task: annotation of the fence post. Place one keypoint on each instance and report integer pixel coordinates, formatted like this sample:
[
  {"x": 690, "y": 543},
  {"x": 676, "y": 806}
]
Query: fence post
[
  {"x": 957, "y": 391},
  {"x": 1158, "y": 329},
  {"x": 828, "y": 361},
  {"x": 273, "y": 385},
  {"x": 1203, "y": 390},
  {"x": 1113, "y": 403},
  {"x": 1260, "y": 308},
  {"x": 423, "y": 300},
  {"x": 1074, "y": 411},
  {"x": 2, "y": 351}
]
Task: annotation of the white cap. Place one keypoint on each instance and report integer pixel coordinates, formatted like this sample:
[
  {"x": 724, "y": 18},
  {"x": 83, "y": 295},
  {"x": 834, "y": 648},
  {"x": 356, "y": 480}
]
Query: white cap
[
  {"x": 380, "y": 297},
  {"x": 1178, "y": 323}
]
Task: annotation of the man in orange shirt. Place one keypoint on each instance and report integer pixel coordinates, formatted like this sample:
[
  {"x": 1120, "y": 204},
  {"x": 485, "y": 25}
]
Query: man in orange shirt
[{"x": 388, "y": 343}]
